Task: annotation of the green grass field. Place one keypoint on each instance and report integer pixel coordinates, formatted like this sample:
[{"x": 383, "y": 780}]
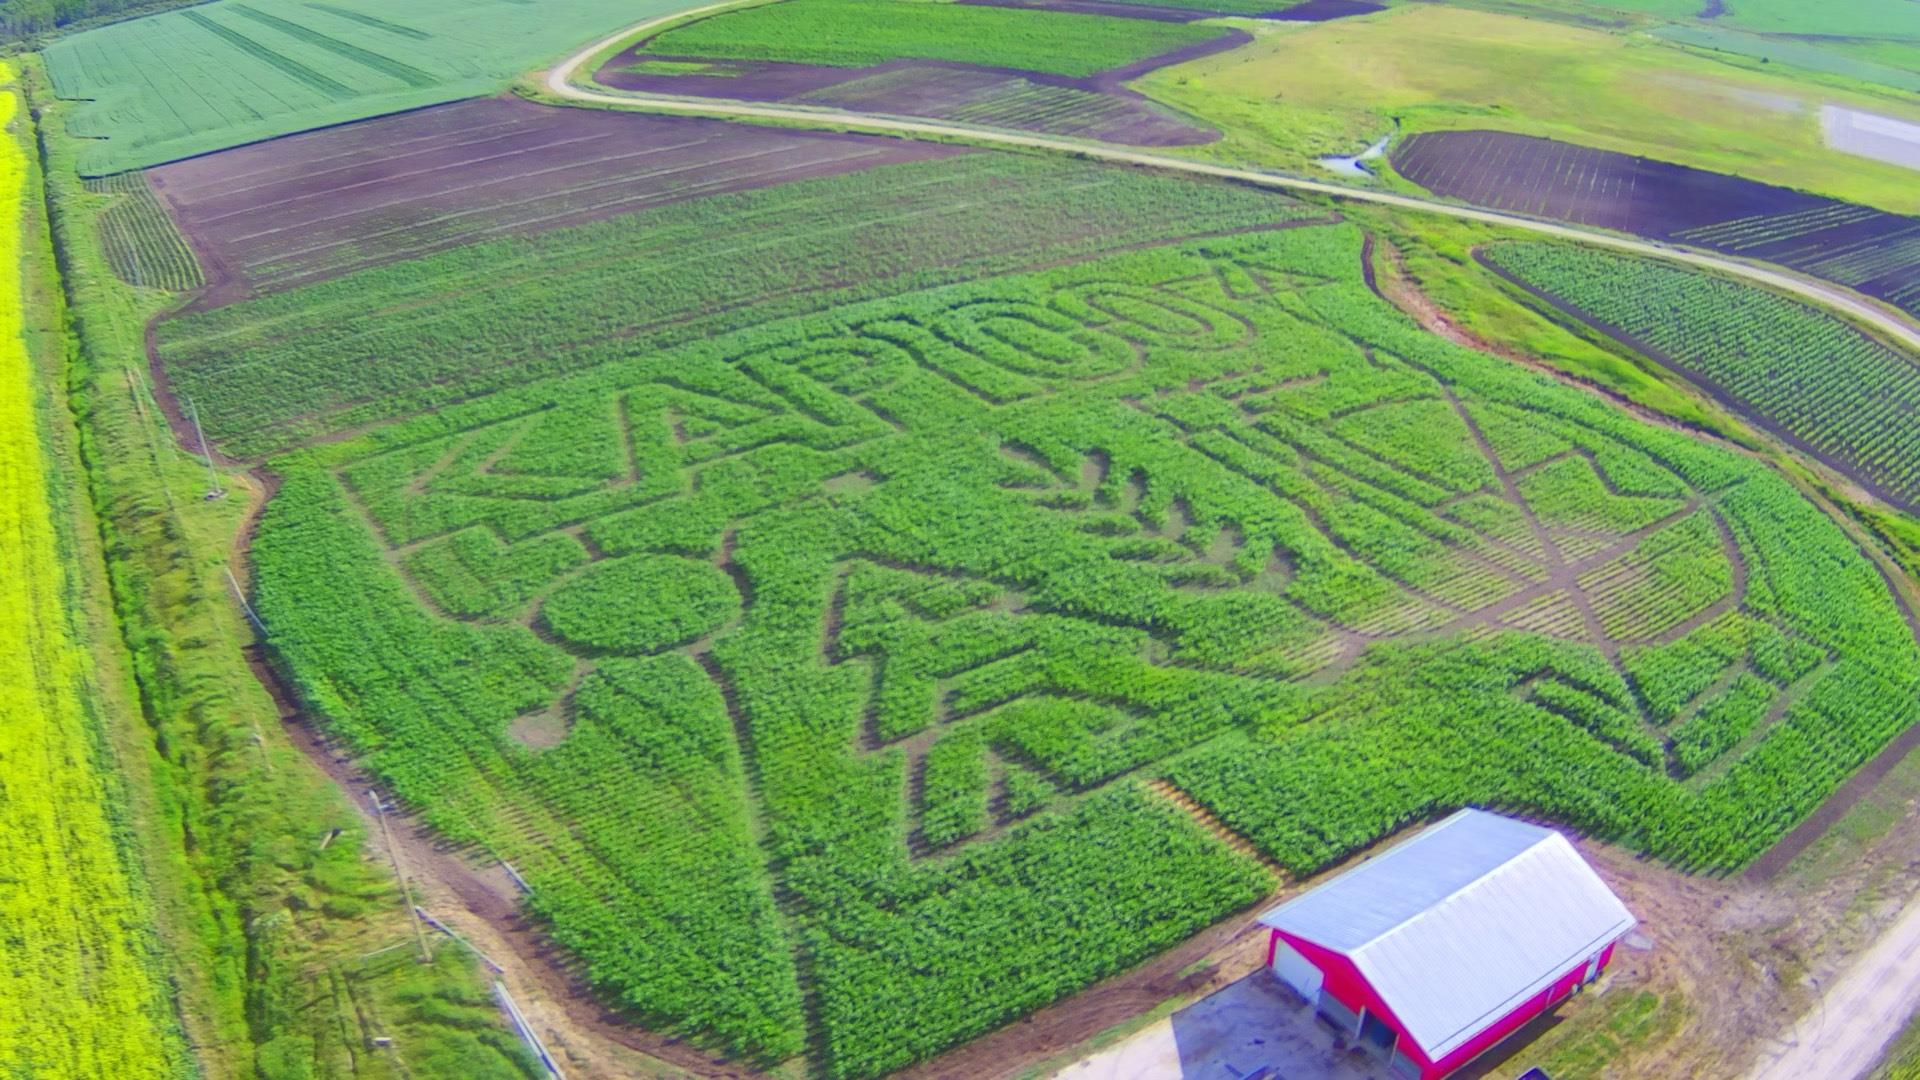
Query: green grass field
[
  {"x": 1298, "y": 93},
  {"x": 1837, "y": 20},
  {"x": 1848, "y": 59},
  {"x": 856, "y": 33},
  {"x": 235, "y": 71}
]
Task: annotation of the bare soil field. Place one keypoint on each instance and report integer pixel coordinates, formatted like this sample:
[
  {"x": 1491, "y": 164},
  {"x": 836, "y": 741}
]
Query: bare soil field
[
  {"x": 1872, "y": 251},
  {"x": 308, "y": 207},
  {"x": 1326, "y": 10},
  {"x": 1097, "y": 107}
]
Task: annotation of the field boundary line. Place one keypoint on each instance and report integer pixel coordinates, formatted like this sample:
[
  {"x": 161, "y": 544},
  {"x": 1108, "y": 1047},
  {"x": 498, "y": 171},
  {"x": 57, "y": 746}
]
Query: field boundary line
[{"x": 560, "y": 82}]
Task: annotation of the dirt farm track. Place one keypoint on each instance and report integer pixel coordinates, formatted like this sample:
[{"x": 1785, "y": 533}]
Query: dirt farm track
[{"x": 560, "y": 82}]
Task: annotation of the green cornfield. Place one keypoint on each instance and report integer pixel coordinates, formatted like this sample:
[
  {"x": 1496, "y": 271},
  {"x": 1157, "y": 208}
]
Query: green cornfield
[{"x": 833, "y": 647}]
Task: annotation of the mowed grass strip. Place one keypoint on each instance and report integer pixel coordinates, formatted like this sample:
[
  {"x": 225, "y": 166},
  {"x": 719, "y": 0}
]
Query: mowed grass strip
[{"x": 857, "y": 33}]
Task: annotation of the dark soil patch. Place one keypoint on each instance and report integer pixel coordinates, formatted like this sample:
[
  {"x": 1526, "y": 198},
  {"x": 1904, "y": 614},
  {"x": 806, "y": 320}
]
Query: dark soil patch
[
  {"x": 1307, "y": 11},
  {"x": 1871, "y": 251},
  {"x": 1326, "y": 10},
  {"x": 1096, "y": 107},
  {"x": 307, "y": 207},
  {"x": 1550, "y": 179},
  {"x": 1115, "y": 8}
]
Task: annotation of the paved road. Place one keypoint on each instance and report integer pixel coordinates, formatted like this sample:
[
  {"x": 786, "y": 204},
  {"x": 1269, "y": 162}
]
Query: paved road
[
  {"x": 1858, "y": 1015},
  {"x": 560, "y": 81}
]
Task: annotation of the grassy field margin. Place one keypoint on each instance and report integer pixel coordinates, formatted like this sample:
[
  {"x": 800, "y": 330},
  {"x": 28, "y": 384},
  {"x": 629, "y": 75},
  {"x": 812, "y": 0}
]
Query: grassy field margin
[{"x": 280, "y": 923}]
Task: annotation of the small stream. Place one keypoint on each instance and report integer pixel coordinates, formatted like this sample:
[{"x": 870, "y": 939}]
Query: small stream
[{"x": 1356, "y": 165}]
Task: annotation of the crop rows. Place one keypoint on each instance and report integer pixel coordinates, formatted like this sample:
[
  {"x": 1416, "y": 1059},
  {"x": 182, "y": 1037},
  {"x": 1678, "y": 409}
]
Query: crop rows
[
  {"x": 321, "y": 204},
  {"x": 1871, "y": 250},
  {"x": 1847, "y": 396},
  {"x": 142, "y": 244},
  {"x": 386, "y": 65},
  {"x": 1747, "y": 233},
  {"x": 223, "y": 74},
  {"x": 899, "y": 600},
  {"x": 387, "y": 340}
]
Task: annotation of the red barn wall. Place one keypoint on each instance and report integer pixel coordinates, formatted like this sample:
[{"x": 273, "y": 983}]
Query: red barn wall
[
  {"x": 1345, "y": 983},
  {"x": 1508, "y": 1024}
]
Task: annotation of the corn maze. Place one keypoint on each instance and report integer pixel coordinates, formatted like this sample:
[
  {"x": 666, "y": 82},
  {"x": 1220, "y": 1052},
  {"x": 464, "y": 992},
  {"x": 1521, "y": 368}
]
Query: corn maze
[
  {"x": 812, "y": 674},
  {"x": 1836, "y": 391}
]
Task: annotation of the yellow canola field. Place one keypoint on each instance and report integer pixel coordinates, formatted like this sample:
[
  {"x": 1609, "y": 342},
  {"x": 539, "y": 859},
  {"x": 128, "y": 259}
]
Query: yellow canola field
[{"x": 80, "y": 992}]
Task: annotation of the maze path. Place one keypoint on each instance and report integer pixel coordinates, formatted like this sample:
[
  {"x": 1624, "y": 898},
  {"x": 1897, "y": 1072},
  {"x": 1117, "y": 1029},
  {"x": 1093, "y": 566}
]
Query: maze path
[{"x": 1497, "y": 563}]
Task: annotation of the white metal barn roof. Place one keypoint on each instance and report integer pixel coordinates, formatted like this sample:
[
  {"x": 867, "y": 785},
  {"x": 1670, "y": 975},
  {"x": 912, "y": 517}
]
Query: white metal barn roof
[{"x": 1459, "y": 925}]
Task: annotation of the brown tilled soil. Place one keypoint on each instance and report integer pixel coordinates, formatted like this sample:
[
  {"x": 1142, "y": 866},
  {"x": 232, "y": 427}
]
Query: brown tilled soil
[
  {"x": 1098, "y": 107},
  {"x": 1563, "y": 181},
  {"x": 307, "y": 207}
]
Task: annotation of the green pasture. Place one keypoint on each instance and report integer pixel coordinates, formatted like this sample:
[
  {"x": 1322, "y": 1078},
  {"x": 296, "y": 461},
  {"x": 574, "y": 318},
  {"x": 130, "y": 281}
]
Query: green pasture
[
  {"x": 856, "y": 33},
  {"x": 1298, "y": 93},
  {"x": 235, "y": 71},
  {"x": 1864, "y": 62}
]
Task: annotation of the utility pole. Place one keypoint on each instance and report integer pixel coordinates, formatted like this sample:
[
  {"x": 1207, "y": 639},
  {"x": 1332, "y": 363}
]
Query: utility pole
[
  {"x": 406, "y": 890},
  {"x": 216, "y": 491}
]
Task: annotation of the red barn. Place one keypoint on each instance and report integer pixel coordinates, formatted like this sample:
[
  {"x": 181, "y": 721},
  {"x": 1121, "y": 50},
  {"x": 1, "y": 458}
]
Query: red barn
[{"x": 1436, "y": 949}]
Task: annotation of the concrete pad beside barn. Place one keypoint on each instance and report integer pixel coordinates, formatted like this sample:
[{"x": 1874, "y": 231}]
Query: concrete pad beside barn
[{"x": 1252, "y": 1024}]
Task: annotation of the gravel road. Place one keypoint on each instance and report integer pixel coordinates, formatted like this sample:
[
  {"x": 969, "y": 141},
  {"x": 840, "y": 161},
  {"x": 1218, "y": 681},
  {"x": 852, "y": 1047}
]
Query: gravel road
[{"x": 560, "y": 82}]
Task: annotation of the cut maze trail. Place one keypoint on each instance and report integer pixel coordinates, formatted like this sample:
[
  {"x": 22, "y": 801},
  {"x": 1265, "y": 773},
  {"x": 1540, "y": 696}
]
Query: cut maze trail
[
  {"x": 1404, "y": 292},
  {"x": 1208, "y": 821},
  {"x": 484, "y": 904},
  {"x": 806, "y": 405}
]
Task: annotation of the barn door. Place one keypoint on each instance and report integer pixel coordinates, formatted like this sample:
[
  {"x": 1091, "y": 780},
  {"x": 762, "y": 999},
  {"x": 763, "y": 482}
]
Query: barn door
[{"x": 1297, "y": 971}]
